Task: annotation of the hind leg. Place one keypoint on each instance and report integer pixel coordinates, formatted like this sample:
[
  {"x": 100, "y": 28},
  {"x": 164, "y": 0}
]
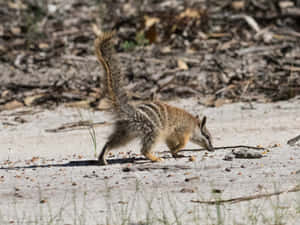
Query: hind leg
[
  {"x": 118, "y": 138},
  {"x": 149, "y": 142}
]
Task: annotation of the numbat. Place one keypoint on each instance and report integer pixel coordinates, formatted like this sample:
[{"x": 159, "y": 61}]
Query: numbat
[{"x": 151, "y": 121}]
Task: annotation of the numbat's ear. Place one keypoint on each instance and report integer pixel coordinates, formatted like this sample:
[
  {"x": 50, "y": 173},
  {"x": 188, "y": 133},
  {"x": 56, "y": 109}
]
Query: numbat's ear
[{"x": 203, "y": 122}]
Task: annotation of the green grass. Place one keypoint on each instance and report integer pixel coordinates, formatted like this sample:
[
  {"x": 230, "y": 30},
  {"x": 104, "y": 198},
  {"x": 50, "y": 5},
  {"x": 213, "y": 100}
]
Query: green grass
[
  {"x": 153, "y": 208},
  {"x": 140, "y": 40},
  {"x": 93, "y": 137}
]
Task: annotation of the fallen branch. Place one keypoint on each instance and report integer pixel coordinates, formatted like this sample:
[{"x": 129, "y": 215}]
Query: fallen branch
[
  {"x": 224, "y": 147},
  {"x": 155, "y": 167},
  {"x": 84, "y": 124},
  {"x": 246, "y": 198}
]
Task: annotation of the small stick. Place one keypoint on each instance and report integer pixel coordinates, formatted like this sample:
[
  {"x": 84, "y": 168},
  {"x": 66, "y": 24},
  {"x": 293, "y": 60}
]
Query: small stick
[
  {"x": 293, "y": 140},
  {"x": 246, "y": 198},
  {"x": 83, "y": 124},
  {"x": 224, "y": 147}
]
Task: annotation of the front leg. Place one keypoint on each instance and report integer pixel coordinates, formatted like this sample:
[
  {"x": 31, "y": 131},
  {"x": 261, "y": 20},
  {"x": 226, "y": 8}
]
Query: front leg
[{"x": 177, "y": 142}]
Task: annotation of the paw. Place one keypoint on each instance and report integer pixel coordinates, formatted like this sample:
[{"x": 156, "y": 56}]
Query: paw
[
  {"x": 153, "y": 158},
  {"x": 158, "y": 159},
  {"x": 102, "y": 162}
]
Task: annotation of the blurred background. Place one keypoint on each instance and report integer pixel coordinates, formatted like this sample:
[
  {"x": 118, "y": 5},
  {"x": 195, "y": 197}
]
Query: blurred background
[{"x": 220, "y": 51}]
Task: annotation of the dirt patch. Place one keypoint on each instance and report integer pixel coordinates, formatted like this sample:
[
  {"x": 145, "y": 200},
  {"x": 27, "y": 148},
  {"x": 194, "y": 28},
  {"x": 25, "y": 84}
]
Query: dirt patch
[{"x": 231, "y": 51}]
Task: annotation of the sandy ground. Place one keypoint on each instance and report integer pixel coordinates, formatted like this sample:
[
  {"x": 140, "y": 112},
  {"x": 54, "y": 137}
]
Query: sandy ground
[{"x": 41, "y": 185}]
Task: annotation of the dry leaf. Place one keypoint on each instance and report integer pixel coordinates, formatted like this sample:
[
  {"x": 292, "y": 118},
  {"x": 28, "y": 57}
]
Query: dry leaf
[
  {"x": 218, "y": 35},
  {"x": 150, "y": 21},
  {"x": 219, "y": 102},
  {"x": 43, "y": 46},
  {"x": 227, "y": 44},
  {"x": 79, "y": 104},
  {"x": 165, "y": 50},
  {"x": 16, "y": 30},
  {"x": 238, "y": 5},
  {"x": 35, "y": 158},
  {"x": 2, "y": 48},
  {"x": 96, "y": 30},
  {"x": 286, "y": 4},
  {"x": 190, "y": 13},
  {"x": 208, "y": 100},
  {"x": 182, "y": 65},
  {"x": 30, "y": 100},
  {"x": 104, "y": 104},
  {"x": 11, "y": 105},
  {"x": 16, "y": 5}
]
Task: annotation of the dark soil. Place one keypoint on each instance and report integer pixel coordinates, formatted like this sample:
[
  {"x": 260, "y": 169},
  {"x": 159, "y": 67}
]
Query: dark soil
[{"x": 221, "y": 51}]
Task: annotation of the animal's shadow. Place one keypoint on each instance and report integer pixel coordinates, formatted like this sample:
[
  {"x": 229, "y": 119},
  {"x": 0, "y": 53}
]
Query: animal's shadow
[{"x": 77, "y": 163}]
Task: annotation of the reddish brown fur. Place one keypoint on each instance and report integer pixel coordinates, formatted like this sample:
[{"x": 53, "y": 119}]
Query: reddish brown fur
[{"x": 150, "y": 120}]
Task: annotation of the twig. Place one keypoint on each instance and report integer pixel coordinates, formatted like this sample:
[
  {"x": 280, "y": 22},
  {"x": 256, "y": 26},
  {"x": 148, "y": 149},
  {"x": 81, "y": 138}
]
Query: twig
[
  {"x": 224, "y": 147},
  {"x": 250, "y": 20},
  {"x": 246, "y": 198},
  {"x": 293, "y": 140},
  {"x": 79, "y": 58},
  {"x": 84, "y": 124},
  {"x": 255, "y": 49}
]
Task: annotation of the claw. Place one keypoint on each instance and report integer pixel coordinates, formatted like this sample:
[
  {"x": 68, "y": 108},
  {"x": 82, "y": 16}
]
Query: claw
[{"x": 153, "y": 158}]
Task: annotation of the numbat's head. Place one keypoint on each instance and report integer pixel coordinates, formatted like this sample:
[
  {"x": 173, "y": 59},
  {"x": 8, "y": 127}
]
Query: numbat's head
[{"x": 202, "y": 136}]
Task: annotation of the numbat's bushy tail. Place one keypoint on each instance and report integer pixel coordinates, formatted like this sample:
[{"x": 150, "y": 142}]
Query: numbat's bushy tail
[
  {"x": 150, "y": 121},
  {"x": 114, "y": 82}
]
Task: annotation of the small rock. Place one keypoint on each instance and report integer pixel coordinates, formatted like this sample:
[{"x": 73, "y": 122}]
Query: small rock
[
  {"x": 18, "y": 195},
  {"x": 126, "y": 169},
  {"x": 122, "y": 202},
  {"x": 228, "y": 157},
  {"x": 247, "y": 154},
  {"x": 43, "y": 201},
  {"x": 187, "y": 190},
  {"x": 227, "y": 169},
  {"x": 216, "y": 191},
  {"x": 192, "y": 158},
  {"x": 191, "y": 178}
]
